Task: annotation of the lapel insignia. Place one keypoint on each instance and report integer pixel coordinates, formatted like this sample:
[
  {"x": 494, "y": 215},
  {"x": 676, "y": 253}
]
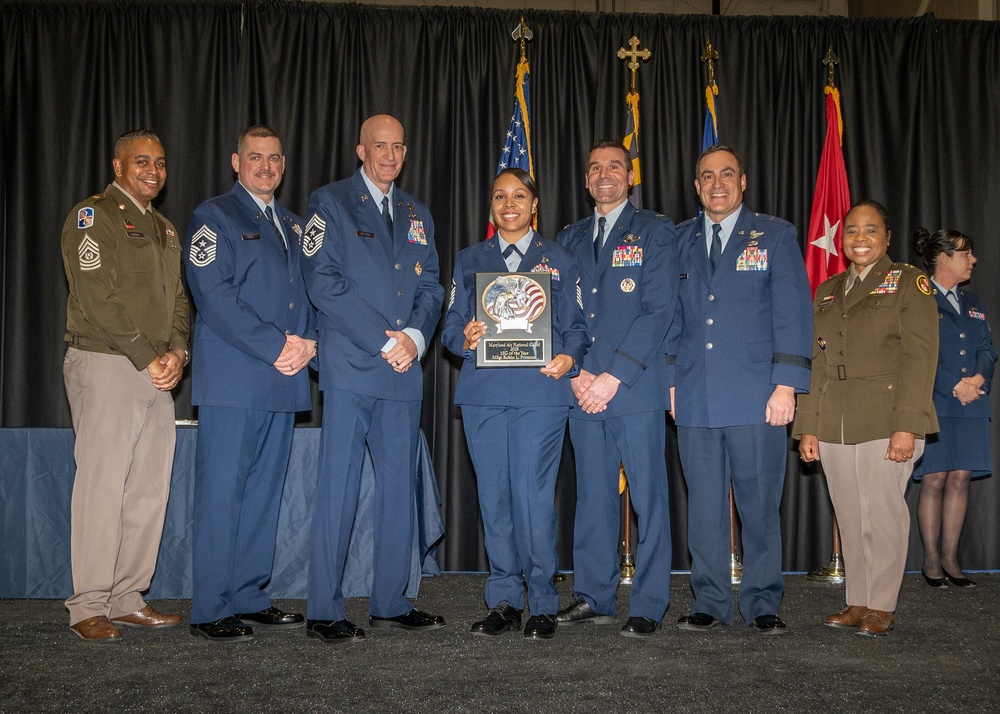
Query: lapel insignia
[
  {"x": 363, "y": 197},
  {"x": 628, "y": 285}
]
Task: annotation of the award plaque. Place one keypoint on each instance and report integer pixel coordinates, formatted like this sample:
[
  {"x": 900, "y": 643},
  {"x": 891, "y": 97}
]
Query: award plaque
[{"x": 517, "y": 310}]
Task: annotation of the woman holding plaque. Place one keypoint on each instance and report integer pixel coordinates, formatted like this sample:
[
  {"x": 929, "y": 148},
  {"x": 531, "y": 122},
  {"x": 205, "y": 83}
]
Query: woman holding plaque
[
  {"x": 961, "y": 450},
  {"x": 515, "y": 417},
  {"x": 868, "y": 409}
]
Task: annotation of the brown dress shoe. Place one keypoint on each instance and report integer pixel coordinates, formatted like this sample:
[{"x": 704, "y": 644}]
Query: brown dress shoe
[
  {"x": 97, "y": 629},
  {"x": 148, "y": 617},
  {"x": 848, "y": 618},
  {"x": 876, "y": 623}
]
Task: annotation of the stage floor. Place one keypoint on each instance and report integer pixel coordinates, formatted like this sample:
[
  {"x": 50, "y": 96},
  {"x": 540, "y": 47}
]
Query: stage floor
[{"x": 942, "y": 656}]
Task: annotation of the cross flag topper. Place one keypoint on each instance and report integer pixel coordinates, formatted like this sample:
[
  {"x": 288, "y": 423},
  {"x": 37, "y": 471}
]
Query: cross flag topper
[
  {"x": 709, "y": 55},
  {"x": 830, "y": 60},
  {"x": 634, "y": 55}
]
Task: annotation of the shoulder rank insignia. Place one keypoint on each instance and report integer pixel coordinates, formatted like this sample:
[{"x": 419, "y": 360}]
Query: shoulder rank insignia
[{"x": 923, "y": 285}]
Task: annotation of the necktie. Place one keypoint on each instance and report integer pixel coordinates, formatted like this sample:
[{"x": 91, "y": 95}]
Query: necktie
[
  {"x": 270, "y": 216},
  {"x": 716, "y": 253},
  {"x": 510, "y": 250},
  {"x": 599, "y": 242},
  {"x": 386, "y": 214}
]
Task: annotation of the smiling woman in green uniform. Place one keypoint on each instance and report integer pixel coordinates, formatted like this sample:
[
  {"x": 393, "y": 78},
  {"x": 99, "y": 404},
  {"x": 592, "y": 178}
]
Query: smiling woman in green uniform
[{"x": 868, "y": 409}]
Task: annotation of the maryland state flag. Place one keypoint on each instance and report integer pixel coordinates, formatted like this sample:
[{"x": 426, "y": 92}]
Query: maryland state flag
[
  {"x": 516, "y": 152},
  {"x": 824, "y": 250},
  {"x": 631, "y": 142}
]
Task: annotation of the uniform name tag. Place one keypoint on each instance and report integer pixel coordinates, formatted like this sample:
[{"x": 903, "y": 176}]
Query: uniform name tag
[
  {"x": 753, "y": 258},
  {"x": 364, "y": 234},
  {"x": 250, "y": 236},
  {"x": 135, "y": 234}
]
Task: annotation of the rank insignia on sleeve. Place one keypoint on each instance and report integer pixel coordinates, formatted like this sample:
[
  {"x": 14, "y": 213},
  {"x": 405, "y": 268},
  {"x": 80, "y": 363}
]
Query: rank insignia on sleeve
[
  {"x": 579, "y": 294},
  {"x": 628, "y": 285},
  {"x": 451, "y": 295},
  {"x": 85, "y": 218},
  {"x": 312, "y": 241},
  {"x": 923, "y": 285},
  {"x": 418, "y": 269},
  {"x": 416, "y": 233},
  {"x": 90, "y": 253},
  {"x": 203, "y": 246}
]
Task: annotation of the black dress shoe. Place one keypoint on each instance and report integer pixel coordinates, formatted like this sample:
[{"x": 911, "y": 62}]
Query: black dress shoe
[
  {"x": 273, "y": 617},
  {"x": 769, "y": 625},
  {"x": 579, "y": 612},
  {"x": 960, "y": 582},
  {"x": 540, "y": 627},
  {"x": 697, "y": 622},
  {"x": 228, "y": 629},
  {"x": 413, "y": 620},
  {"x": 939, "y": 583},
  {"x": 334, "y": 631},
  {"x": 639, "y": 627},
  {"x": 501, "y": 618}
]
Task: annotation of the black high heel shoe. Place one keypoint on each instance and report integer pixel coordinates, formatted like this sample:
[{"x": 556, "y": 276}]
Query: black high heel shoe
[
  {"x": 959, "y": 582},
  {"x": 938, "y": 583}
]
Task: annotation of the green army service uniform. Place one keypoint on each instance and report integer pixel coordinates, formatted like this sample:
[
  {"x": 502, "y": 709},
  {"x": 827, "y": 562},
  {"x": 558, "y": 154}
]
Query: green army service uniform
[
  {"x": 126, "y": 307},
  {"x": 874, "y": 361}
]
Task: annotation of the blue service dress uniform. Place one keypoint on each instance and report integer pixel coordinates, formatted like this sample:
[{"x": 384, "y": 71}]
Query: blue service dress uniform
[
  {"x": 629, "y": 296},
  {"x": 363, "y": 282},
  {"x": 249, "y": 294},
  {"x": 965, "y": 349},
  {"x": 740, "y": 332},
  {"x": 515, "y": 422}
]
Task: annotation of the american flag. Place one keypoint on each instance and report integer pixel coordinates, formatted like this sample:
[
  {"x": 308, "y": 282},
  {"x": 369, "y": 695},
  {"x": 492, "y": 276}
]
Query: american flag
[{"x": 516, "y": 152}]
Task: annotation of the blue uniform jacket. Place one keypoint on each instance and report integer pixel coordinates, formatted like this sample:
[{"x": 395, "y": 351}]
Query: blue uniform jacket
[
  {"x": 516, "y": 386},
  {"x": 249, "y": 294},
  {"x": 629, "y": 297},
  {"x": 364, "y": 282},
  {"x": 966, "y": 348},
  {"x": 743, "y": 330}
]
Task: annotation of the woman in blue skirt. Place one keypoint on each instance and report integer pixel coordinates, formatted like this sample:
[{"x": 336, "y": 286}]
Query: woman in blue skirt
[{"x": 961, "y": 451}]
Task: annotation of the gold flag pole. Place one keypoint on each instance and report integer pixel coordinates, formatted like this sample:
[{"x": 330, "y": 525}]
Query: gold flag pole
[
  {"x": 627, "y": 568},
  {"x": 832, "y": 573}
]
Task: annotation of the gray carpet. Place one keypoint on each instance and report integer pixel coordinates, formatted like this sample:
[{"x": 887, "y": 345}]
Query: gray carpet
[{"x": 941, "y": 657}]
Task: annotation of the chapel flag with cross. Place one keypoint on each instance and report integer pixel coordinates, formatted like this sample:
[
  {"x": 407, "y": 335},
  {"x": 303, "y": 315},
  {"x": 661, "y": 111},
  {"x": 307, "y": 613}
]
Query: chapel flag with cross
[{"x": 631, "y": 140}]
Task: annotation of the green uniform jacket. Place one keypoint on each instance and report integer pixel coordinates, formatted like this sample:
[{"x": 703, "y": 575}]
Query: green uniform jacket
[
  {"x": 873, "y": 363},
  {"x": 124, "y": 271}
]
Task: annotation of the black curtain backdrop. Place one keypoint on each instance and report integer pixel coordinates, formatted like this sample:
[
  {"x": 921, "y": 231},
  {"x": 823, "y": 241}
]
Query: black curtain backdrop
[{"x": 920, "y": 115}]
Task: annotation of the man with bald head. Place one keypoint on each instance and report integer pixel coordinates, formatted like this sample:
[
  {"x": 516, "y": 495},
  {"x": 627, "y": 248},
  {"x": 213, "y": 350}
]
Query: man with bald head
[
  {"x": 127, "y": 331},
  {"x": 371, "y": 270}
]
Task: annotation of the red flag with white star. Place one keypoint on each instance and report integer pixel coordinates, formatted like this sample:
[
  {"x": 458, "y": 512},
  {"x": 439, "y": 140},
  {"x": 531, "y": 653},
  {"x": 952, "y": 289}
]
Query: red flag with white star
[{"x": 824, "y": 250}]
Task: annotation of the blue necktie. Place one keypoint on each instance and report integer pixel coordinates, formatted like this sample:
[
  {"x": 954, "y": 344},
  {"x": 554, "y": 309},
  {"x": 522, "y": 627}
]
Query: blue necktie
[
  {"x": 386, "y": 214},
  {"x": 270, "y": 216},
  {"x": 716, "y": 253},
  {"x": 599, "y": 242}
]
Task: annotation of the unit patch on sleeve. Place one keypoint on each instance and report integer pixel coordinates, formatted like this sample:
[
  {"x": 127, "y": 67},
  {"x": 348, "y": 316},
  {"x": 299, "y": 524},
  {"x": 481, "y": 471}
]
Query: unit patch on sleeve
[
  {"x": 85, "y": 217},
  {"x": 203, "y": 247},
  {"x": 312, "y": 241}
]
